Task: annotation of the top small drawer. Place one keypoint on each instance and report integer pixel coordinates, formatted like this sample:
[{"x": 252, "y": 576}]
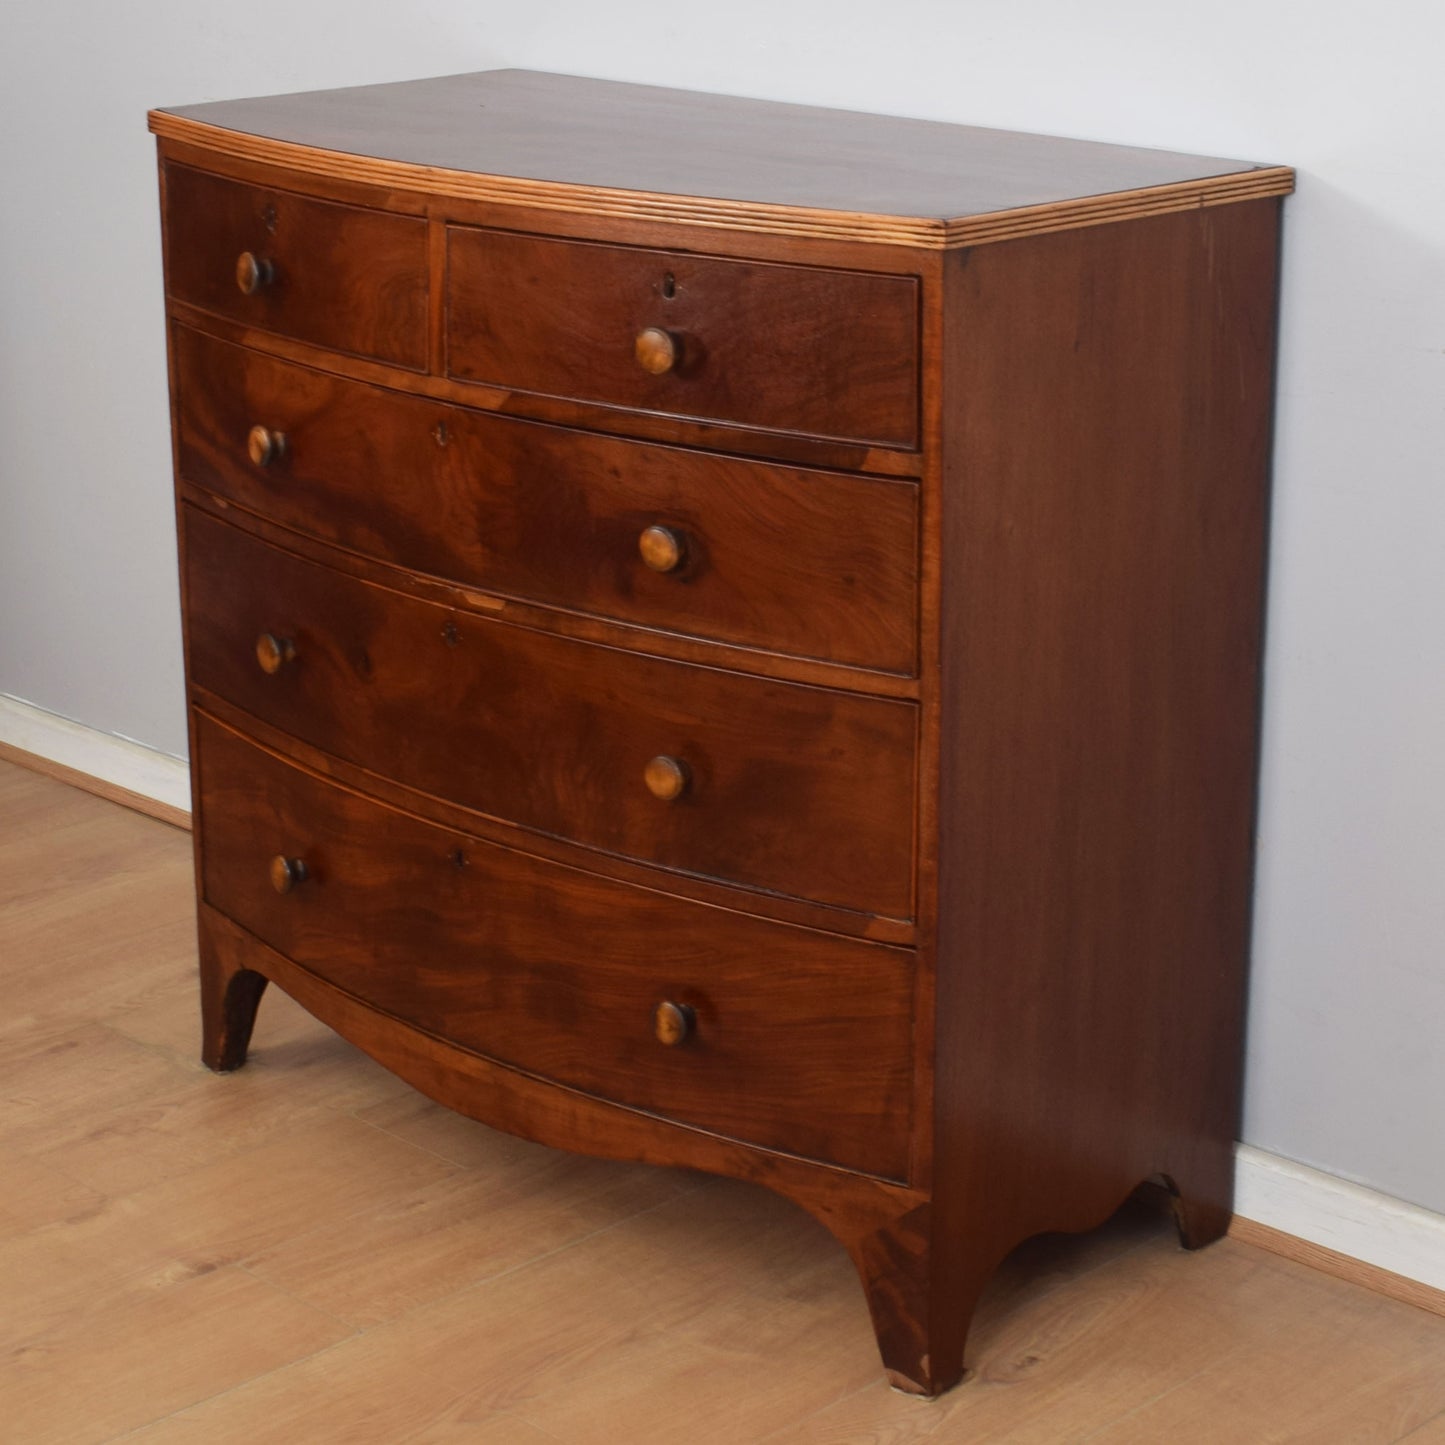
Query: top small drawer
[
  {"x": 801, "y": 349},
  {"x": 344, "y": 277}
]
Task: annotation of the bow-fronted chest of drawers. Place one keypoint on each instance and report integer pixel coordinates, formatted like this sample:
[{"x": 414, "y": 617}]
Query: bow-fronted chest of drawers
[{"x": 728, "y": 634}]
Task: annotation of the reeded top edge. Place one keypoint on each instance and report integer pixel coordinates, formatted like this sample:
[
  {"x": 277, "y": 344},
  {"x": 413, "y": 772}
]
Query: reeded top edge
[{"x": 644, "y": 153}]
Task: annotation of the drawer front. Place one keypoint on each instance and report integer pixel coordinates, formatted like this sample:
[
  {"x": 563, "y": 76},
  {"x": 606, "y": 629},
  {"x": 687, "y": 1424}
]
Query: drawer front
[
  {"x": 338, "y": 276},
  {"x": 787, "y": 348},
  {"x": 803, "y": 791},
  {"x": 797, "y": 1040},
  {"x": 812, "y": 563}
]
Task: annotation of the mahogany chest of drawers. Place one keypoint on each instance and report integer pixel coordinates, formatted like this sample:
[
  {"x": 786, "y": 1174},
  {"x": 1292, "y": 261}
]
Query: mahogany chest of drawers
[{"x": 728, "y": 634}]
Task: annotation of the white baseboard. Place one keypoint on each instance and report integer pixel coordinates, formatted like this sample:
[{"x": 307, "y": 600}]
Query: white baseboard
[
  {"x": 1269, "y": 1189},
  {"x": 125, "y": 764},
  {"x": 1337, "y": 1215}
]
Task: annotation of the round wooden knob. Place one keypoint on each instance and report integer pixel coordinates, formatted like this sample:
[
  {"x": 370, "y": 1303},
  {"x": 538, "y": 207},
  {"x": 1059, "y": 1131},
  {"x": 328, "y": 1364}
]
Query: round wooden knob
[
  {"x": 253, "y": 272},
  {"x": 265, "y": 446},
  {"x": 286, "y": 873},
  {"x": 666, "y": 778},
  {"x": 657, "y": 350},
  {"x": 672, "y": 1023},
  {"x": 273, "y": 652},
  {"x": 662, "y": 548}
]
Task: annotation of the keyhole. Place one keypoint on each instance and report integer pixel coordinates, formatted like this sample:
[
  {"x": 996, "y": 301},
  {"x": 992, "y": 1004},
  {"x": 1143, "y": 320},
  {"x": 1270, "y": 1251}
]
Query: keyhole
[
  {"x": 669, "y": 286},
  {"x": 457, "y": 858},
  {"x": 450, "y": 635},
  {"x": 439, "y": 434},
  {"x": 268, "y": 218}
]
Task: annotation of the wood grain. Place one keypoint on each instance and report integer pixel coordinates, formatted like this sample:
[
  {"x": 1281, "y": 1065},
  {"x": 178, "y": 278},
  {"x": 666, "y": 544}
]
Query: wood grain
[
  {"x": 821, "y": 564},
  {"x": 1330, "y": 1261},
  {"x": 802, "y": 349},
  {"x": 559, "y": 973},
  {"x": 113, "y": 792},
  {"x": 846, "y": 921},
  {"x": 649, "y": 154},
  {"x": 1062, "y": 820},
  {"x": 344, "y": 277},
  {"x": 1096, "y": 844},
  {"x": 493, "y": 1291},
  {"x": 795, "y": 789}
]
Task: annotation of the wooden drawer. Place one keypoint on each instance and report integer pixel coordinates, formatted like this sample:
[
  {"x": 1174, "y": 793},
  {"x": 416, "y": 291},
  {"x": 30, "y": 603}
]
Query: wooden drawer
[
  {"x": 800, "y": 1040},
  {"x": 802, "y": 349},
  {"x": 803, "y": 791},
  {"x": 812, "y": 563},
  {"x": 339, "y": 276}
]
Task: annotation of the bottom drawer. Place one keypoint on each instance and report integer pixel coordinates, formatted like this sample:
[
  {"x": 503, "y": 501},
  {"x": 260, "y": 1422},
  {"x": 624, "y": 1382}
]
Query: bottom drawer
[{"x": 793, "y": 1039}]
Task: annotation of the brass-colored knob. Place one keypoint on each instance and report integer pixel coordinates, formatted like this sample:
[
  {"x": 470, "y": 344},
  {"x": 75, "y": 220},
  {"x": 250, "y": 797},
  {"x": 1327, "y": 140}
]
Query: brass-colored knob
[
  {"x": 657, "y": 350},
  {"x": 273, "y": 652},
  {"x": 286, "y": 873},
  {"x": 253, "y": 272},
  {"x": 662, "y": 548},
  {"x": 666, "y": 778},
  {"x": 672, "y": 1023},
  {"x": 265, "y": 446}
]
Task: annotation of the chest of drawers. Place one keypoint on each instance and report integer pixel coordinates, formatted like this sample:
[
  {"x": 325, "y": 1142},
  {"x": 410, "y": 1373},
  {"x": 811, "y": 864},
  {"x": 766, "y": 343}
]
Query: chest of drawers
[{"x": 728, "y": 634}]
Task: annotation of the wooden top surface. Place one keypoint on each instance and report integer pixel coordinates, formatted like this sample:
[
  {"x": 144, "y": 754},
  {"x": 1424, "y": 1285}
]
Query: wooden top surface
[{"x": 530, "y": 138}]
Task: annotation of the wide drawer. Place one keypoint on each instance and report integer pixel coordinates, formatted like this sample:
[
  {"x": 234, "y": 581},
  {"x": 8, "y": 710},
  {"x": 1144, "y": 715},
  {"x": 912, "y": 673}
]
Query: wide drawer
[
  {"x": 803, "y": 349},
  {"x": 816, "y": 564},
  {"x": 339, "y": 276},
  {"x": 793, "y": 1039},
  {"x": 804, "y": 791}
]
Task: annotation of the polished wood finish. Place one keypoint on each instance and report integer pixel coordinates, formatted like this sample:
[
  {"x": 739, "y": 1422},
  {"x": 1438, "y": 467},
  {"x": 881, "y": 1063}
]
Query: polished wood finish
[
  {"x": 273, "y": 653},
  {"x": 666, "y": 778},
  {"x": 582, "y": 729},
  {"x": 264, "y": 446},
  {"x": 788, "y": 348},
  {"x": 656, "y": 350},
  {"x": 286, "y": 873},
  {"x": 553, "y": 971},
  {"x": 646, "y": 154},
  {"x": 819, "y": 564},
  {"x": 313, "y": 1252},
  {"x": 253, "y": 272},
  {"x": 662, "y": 548},
  {"x": 1095, "y": 858},
  {"x": 339, "y": 276},
  {"x": 800, "y": 790},
  {"x": 672, "y": 1023}
]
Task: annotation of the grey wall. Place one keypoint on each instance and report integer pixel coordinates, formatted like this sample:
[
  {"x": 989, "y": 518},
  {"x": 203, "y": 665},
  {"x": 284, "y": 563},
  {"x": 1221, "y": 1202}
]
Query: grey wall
[{"x": 1347, "y": 1069}]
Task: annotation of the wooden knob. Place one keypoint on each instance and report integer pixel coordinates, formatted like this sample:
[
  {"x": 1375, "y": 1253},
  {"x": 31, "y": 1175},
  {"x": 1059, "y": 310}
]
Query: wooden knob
[
  {"x": 672, "y": 1023},
  {"x": 253, "y": 272},
  {"x": 666, "y": 778},
  {"x": 657, "y": 350},
  {"x": 661, "y": 548},
  {"x": 265, "y": 446},
  {"x": 286, "y": 873},
  {"x": 273, "y": 652}
]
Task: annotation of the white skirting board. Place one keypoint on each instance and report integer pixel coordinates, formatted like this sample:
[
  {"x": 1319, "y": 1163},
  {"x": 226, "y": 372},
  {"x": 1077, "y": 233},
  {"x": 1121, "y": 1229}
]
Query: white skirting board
[
  {"x": 1271, "y": 1190},
  {"x": 1335, "y": 1214},
  {"x": 114, "y": 760}
]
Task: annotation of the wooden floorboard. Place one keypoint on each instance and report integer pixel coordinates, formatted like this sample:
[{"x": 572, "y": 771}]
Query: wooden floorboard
[{"x": 308, "y": 1252}]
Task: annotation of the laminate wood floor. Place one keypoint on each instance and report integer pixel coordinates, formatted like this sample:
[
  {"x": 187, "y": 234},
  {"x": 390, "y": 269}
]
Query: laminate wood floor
[{"x": 308, "y": 1252}]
